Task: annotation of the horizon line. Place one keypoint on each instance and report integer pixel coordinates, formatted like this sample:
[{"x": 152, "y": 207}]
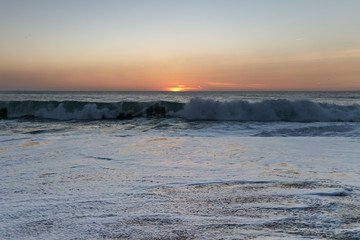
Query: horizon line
[{"x": 189, "y": 91}]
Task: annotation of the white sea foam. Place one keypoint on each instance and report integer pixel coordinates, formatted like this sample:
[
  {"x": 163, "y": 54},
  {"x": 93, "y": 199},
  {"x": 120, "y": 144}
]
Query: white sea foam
[{"x": 91, "y": 183}]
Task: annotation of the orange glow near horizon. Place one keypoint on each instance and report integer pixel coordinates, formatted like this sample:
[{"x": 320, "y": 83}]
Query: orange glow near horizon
[{"x": 337, "y": 70}]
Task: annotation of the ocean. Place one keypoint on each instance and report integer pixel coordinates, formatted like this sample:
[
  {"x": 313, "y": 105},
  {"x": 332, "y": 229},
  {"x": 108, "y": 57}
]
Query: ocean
[{"x": 179, "y": 165}]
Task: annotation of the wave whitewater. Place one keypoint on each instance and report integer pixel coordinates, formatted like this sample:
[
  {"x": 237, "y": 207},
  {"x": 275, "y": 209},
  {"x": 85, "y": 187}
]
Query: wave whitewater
[{"x": 195, "y": 109}]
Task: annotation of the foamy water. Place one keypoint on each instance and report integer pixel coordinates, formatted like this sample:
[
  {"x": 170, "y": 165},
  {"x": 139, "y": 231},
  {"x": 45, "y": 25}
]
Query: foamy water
[{"x": 211, "y": 166}]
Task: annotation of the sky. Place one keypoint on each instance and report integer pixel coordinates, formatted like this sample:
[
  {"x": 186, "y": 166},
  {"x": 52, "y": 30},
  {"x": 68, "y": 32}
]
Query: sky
[{"x": 197, "y": 45}]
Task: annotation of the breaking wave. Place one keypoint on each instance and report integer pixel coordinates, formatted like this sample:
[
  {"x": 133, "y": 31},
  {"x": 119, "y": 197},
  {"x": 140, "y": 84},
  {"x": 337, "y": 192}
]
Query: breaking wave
[
  {"x": 195, "y": 109},
  {"x": 74, "y": 110},
  {"x": 270, "y": 110}
]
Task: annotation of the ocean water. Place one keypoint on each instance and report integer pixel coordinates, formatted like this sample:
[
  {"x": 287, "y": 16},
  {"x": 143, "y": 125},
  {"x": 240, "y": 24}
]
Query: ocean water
[{"x": 184, "y": 165}]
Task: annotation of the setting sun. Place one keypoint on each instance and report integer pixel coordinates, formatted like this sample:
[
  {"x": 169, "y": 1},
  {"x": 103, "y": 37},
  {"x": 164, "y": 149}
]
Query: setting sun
[{"x": 180, "y": 88}]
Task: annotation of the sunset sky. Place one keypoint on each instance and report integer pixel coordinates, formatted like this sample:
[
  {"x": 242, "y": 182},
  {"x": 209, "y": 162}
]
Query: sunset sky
[{"x": 200, "y": 45}]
